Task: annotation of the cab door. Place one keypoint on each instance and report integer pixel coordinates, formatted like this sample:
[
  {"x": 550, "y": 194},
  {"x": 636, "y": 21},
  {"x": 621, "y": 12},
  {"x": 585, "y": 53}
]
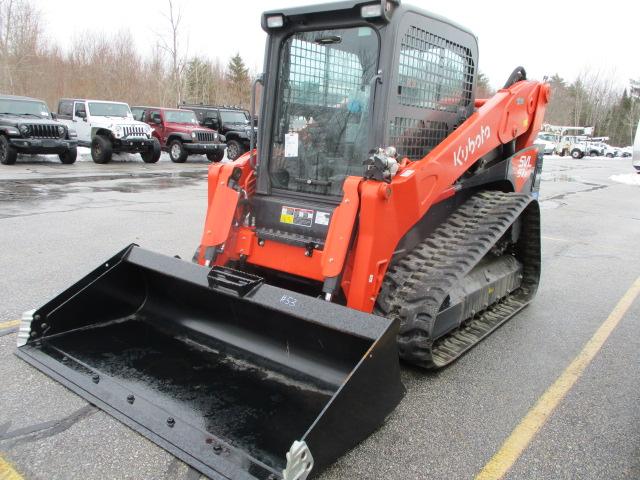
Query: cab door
[
  {"x": 81, "y": 122},
  {"x": 155, "y": 119}
]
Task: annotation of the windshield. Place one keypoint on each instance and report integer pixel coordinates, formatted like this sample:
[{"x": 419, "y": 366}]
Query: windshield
[
  {"x": 99, "y": 109},
  {"x": 180, "y": 116},
  {"x": 547, "y": 137},
  {"x": 321, "y": 128},
  {"x": 24, "y": 107},
  {"x": 234, "y": 117}
]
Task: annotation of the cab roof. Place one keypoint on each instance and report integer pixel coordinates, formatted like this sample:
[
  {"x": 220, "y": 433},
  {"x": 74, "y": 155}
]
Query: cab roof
[
  {"x": 19, "y": 97},
  {"x": 91, "y": 100},
  {"x": 346, "y": 5}
]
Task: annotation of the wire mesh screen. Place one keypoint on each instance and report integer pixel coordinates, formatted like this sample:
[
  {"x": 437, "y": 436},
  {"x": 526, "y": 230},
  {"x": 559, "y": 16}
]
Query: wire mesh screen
[
  {"x": 415, "y": 138},
  {"x": 322, "y": 119},
  {"x": 322, "y": 76},
  {"x": 434, "y": 73}
]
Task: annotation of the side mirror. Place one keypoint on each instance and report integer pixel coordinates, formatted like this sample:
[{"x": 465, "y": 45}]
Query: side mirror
[
  {"x": 212, "y": 123},
  {"x": 156, "y": 119},
  {"x": 255, "y": 122},
  {"x": 54, "y": 115},
  {"x": 81, "y": 114}
]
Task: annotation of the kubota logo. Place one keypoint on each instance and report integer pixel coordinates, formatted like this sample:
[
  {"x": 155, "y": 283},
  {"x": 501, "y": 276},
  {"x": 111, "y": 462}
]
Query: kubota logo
[{"x": 461, "y": 156}]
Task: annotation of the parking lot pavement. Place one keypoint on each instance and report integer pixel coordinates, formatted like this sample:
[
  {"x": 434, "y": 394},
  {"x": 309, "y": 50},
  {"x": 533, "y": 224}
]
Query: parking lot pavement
[{"x": 57, "y": 223}]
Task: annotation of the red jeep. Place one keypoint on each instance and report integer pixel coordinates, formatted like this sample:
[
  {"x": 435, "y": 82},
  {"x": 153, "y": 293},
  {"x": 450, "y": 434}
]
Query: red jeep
[{"x": 180, "y": 134}]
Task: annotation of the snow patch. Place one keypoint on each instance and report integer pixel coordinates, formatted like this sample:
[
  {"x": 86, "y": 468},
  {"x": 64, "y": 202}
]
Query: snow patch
[{"x": 627, "y": 178}]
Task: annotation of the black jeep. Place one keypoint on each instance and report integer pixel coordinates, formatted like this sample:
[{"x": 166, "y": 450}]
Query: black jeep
[
  {"x": 27, "y": 126},
  {"x": 232, "y": 122}
]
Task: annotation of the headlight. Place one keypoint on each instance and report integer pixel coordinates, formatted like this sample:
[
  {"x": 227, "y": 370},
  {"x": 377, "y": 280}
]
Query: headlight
[
  {"x": 117, "y": 129},
  {"x": 193, "y": 134},
  {"x": 215, "y": 136},
  {"x": 24, "y": 130},
  {"x": 60, "y": 131}
]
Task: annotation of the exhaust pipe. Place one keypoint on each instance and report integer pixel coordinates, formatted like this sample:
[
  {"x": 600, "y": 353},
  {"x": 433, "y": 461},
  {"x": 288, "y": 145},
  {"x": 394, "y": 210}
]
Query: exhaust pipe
[{"x": 238, "y": 378}]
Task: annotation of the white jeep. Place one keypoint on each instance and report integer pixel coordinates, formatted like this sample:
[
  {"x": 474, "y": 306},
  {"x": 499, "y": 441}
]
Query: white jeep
[{"x": 108, "y": 127}]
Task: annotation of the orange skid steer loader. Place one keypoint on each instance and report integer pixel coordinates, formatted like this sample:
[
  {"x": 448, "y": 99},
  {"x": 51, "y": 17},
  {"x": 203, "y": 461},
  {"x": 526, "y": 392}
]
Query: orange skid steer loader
[{"x": 384, "y": 211}]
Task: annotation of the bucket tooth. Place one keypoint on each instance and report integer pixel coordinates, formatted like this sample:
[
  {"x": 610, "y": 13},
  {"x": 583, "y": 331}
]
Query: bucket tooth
[{"x": 238, "y": 378}]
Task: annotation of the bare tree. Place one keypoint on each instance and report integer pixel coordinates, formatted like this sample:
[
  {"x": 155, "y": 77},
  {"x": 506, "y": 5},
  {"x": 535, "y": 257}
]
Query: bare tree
[
  {"x": 173, "y": 47},
  {"x": 20, "y": 43}
]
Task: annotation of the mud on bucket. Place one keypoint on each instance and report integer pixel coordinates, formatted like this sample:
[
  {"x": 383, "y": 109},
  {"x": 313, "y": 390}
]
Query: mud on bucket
[{"x": 237, "y": 378}]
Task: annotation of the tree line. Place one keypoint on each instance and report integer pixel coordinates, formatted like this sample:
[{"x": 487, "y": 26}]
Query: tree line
[
  {"x": 110, "y": 67},
  {"x": 595, "y": 100}
]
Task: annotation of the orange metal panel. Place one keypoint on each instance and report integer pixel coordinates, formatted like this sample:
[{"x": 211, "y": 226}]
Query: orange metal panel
[
  {"x": 286, "y": 258},
  {"x": 343, "y": 222}
]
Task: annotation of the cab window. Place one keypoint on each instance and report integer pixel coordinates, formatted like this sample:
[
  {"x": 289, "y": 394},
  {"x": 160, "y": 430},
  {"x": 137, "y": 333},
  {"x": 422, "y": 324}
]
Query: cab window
[
  {"x": 65, "y": 108},
  {"x": 79, "y": 109}
]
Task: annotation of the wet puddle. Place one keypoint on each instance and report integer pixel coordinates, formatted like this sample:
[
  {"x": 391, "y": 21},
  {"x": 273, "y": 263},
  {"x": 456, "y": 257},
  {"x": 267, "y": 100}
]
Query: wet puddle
[{"x": 54, "y": 188}]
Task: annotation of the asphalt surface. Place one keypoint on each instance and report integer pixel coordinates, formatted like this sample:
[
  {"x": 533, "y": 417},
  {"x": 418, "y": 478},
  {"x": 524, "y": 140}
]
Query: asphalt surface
[{"x": 59, "y": 222}]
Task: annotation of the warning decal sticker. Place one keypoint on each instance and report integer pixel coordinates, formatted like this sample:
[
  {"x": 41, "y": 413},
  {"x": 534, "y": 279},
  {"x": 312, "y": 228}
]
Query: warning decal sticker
[
  {"x": 322, "y": 218},
  {"x": 297, "y": 216}
]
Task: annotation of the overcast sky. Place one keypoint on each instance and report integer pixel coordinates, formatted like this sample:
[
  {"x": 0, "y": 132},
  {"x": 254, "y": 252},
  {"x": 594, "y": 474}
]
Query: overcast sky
[{"x": 545, "y": 36}]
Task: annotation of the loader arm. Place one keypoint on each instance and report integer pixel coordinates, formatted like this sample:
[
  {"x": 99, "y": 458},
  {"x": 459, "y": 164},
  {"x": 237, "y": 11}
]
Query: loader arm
[{"x": 511, "y": 114}]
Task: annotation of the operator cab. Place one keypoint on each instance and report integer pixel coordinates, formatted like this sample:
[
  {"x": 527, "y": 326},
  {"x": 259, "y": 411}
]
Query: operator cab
[{"x": 341, "y": 81}]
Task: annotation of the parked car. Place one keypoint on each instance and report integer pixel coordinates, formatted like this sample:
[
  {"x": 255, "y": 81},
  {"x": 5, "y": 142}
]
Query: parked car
[
  {"x": 583, "y": 147},
  {"x": 611, "y": 152},
  {"x": 27, "y": 126},
  {"x": 232, "y": 122},
  {"x": 107, "y": 128},
  {"x": 636, "y": 150},
  {"x": 180, "y": 134},
  {"x": 138, "y": 112}
]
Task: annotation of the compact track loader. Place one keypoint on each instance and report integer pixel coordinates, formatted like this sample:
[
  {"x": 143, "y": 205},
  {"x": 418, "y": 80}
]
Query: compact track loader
[{"x": 384, "y": 212}]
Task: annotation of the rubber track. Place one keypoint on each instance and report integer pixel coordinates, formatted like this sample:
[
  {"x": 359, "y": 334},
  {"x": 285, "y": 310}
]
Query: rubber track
[{"x": 415, "y": 288}]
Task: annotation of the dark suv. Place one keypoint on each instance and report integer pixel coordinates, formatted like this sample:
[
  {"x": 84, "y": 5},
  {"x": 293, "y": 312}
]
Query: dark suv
[
  {"x": 232, "y": 122},
  {"x": 27, "y": 126}
]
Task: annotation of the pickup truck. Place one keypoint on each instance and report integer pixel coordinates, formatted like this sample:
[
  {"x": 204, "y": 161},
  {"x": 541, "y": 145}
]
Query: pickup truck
[
  {"x": 180, "y": 134},
  {"x": 107, "y": 128},
  {"x": 584, "y": 147}
]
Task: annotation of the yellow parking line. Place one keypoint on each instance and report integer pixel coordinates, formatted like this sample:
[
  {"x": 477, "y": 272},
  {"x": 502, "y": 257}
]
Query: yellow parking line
[
  {"x": 527, "y": 429},
  {"x": 11, "y": 324},
  {"x": 7, "y": 472}
]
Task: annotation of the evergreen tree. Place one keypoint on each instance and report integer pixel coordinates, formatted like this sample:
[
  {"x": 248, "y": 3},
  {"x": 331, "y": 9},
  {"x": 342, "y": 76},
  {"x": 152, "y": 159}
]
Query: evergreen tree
[
  {"x": 240, "y": 84},
  {"x": 238, "y": 73}
]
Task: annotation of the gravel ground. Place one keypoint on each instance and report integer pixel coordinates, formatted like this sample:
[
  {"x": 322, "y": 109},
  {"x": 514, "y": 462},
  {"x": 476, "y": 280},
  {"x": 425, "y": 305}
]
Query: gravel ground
[{"x": 59, "y": 222}]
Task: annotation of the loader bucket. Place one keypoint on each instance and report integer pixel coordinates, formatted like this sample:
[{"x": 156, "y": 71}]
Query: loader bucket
[{"x": 238, "y": 378}]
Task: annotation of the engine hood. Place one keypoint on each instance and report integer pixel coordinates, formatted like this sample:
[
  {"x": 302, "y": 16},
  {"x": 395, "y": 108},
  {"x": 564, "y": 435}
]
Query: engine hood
[
  {"x": 19, "y": 119},
  {"x": 237, "y": 127},
  {"x": 187, "y": 128},
  {"x": 117, "y": 121}
]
